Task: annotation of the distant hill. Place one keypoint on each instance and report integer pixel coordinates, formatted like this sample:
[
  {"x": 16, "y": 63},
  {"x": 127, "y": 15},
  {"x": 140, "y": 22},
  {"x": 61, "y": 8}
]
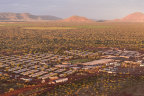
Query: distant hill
[
  {"x": 77, "y": 19},
  {"x": 24, "y": 17},
  {"x": 134, "y": 17}
]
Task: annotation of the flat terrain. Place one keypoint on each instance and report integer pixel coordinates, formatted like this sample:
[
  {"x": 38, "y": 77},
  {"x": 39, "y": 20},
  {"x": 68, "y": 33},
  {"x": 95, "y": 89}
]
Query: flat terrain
[
  {"x": 133, "y": 89},
  {"x": 30, "y": 38},
  {"x": 27, "y": 37},
  {"x": 48, "y": 28}
]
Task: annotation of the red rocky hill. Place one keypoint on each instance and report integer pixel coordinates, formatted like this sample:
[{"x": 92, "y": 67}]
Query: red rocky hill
[
  {"x": 77, "y": 19},
  {"x": 134, "y": 17}
]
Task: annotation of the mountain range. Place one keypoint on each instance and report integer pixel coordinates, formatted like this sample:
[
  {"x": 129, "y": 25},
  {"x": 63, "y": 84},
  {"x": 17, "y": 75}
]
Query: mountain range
[
  {"x": 134, "y": 17},
  {"x": 25, "y": 17}
]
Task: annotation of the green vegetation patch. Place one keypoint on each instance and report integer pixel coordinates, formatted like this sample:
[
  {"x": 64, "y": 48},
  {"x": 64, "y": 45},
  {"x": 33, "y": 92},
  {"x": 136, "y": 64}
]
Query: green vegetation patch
[
  {"x": 48, "y": 28},
  {"x": 93, "y": 26},
  {"x": 79, "y": 61}
]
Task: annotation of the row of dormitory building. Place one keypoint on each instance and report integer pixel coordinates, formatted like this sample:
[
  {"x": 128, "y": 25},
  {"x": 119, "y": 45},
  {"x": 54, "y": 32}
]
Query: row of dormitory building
[
  {"x": 123, "y": 53},
  {"x": 47, "y": 73},
  {"x": 55, "y": 79},
  {"x": 79, "y": 53},
  {"x": 37, "y": 66},
  {"x": 33, "y": 59}
]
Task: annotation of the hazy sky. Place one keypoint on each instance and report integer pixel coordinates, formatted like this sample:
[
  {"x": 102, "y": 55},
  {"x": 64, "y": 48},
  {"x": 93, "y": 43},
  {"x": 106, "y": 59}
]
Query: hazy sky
[{"x": 93, "y": 9}]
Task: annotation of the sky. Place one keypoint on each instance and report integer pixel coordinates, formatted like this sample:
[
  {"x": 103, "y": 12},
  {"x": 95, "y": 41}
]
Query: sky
[{"x": 92, "y": 9}]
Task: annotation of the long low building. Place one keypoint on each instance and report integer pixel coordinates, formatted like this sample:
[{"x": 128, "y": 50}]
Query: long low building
[
  {"x": 38, "y": 74},
  {"x": 61, "y": 80},
  {"x": 47, "y": 75},
  {"x": 29, "y": 72},
  {"x": 95, "y": 62}
]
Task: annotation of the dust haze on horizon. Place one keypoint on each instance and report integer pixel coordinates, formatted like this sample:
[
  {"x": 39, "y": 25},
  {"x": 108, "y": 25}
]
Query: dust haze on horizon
[{"x": 93, "y": 9}]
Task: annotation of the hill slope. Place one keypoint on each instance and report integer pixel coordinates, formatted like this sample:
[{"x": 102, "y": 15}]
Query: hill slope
[
  {"x": 77, "y": 19},
  {"x": 24, "y": 17},
  {"x": 134, "y": 17}
]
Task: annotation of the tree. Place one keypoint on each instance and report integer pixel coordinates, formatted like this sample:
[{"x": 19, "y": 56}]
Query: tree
[{"x": 11, "y": 89}]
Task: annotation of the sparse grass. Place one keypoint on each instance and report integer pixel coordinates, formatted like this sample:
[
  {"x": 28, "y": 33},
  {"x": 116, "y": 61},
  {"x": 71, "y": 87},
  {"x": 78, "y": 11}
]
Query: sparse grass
[
  {"x": 101, "y": 85},
  {"x": 48, "y": 28},
  {"x": 57, "y": 36},
  {"x": 93, "y": 26},
  {"x": 64, "y": 28},
  {"x": 19, "y": 24}
]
